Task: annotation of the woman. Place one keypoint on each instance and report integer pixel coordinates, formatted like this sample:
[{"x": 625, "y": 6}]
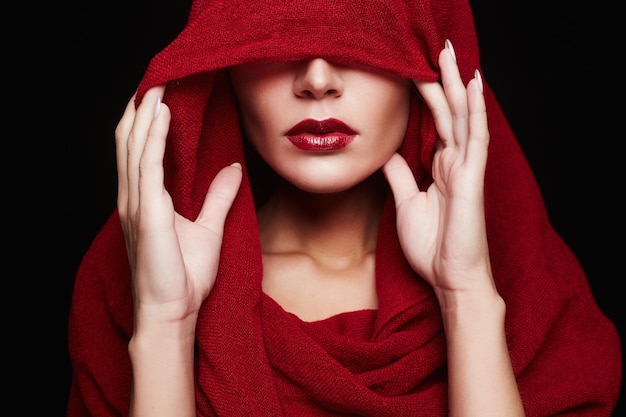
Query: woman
[{"x": 356, "y": 281}]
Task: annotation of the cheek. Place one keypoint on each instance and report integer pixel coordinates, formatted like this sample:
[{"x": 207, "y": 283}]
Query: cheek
[
  {"x": 256, "y": 102},
  {"x": 255, "y": 118},
  {"x": 390, "y": 115},
  {"x": 261, "y": 126}
]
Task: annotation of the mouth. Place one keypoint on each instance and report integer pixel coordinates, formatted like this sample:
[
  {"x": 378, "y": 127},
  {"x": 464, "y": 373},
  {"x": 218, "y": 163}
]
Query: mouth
[{"x": 321, "y": 135}]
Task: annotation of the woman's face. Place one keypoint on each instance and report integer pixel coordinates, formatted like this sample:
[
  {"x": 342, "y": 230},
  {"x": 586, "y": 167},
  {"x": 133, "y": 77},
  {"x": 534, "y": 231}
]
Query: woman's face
[{"x": 321, "y": 126}]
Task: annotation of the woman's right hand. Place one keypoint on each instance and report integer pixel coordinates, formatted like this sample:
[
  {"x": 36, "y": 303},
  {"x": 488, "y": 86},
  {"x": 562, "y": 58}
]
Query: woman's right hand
[{"x": 173, "y": 260}]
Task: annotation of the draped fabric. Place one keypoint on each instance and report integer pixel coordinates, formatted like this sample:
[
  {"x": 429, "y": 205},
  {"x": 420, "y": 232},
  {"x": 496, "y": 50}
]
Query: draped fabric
[{"x": 255, "y": 359}]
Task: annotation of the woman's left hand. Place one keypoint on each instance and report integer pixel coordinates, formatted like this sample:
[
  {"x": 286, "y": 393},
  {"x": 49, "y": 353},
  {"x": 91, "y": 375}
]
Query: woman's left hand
[{"x": 442, "y": 229}]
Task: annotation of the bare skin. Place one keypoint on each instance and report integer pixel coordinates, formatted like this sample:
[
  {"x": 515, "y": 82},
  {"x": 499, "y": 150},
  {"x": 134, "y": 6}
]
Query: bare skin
[
  {"x": 318, "y": 251},
  {"x": 442, "y": 232}
]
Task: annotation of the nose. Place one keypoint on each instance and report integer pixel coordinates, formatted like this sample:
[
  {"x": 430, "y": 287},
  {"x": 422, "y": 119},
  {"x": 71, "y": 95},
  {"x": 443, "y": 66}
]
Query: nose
[{"x": 318, "y": 78}]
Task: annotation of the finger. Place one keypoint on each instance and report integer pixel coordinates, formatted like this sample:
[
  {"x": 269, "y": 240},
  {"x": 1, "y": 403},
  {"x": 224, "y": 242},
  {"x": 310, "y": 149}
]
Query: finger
[
  {"x": 455, "y": 94},
  {"x": 435, "y": 99},
  {"x": 220, "y": 198},
  {"x": 400, "y": 179},
  {"x": 151, "y": 174},
  {"x": 477, "y": 149},
  {"x": 137, "y": 139},
  {"x": 122, "y": 131}
]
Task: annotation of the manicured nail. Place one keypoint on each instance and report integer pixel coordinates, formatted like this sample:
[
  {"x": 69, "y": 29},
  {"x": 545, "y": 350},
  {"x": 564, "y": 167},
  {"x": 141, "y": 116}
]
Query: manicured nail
[
  {"x": 479, "y": 78},
  {"x": 157, "y": 107},
  {"x": 450, "y": 48}
]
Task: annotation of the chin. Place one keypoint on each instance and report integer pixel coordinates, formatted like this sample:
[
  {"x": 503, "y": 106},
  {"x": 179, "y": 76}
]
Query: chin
[
  {"x": 327, "y": 184},
  {"x": 325, "y": 176}
]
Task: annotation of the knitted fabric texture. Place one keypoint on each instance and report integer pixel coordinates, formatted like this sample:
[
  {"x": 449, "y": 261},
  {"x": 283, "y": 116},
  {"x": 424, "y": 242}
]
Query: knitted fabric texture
[{"x": 255, "y": 359}]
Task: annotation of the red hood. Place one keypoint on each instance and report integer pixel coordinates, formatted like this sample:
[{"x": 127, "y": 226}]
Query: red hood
[{"x": 564, "y": 351}]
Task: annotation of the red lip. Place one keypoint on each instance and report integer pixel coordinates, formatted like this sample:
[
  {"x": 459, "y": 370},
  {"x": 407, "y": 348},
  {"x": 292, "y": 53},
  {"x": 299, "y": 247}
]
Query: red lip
[{"x": 321, "y": 135}]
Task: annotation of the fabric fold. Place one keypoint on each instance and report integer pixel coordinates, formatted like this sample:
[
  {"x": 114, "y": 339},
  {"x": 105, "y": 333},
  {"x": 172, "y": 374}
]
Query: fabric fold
[{"x": 255, "y": 359}]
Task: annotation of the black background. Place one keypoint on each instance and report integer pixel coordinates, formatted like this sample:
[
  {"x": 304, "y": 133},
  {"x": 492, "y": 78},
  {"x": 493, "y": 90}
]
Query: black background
[{"x": 545, "y": 60}]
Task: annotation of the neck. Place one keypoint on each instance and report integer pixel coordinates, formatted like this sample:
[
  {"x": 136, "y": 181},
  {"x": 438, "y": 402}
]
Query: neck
[{"x": 339, "y": 227}]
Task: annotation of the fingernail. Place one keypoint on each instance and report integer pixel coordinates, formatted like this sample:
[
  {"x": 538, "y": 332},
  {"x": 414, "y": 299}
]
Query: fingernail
[
  {"x": 479, "y": 78},
  {"x": 236, "y": 165},
  {"x": 157, "y": 107},
  {"x": 450, "y": 48}
]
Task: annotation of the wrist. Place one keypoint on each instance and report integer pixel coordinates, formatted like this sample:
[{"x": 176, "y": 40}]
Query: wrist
[
  {"x": 477, "y": 328},
  {"x": 162, "y": 360},
  {"x": 154, "y": 324},
  {"x": 470, "y": 308}
]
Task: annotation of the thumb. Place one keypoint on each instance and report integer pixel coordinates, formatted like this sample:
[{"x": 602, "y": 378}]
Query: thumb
[
  {"x": 400, "y": 178},
  {"x": 219, "y": 198}
]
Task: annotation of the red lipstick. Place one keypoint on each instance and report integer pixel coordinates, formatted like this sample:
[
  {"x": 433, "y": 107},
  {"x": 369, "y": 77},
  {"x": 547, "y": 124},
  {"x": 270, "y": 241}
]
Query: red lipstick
[{"x": 321, "y": 135}]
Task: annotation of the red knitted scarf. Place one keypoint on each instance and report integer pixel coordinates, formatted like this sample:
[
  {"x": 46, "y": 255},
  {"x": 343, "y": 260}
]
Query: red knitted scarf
[{"x": 255, "y": 359}]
